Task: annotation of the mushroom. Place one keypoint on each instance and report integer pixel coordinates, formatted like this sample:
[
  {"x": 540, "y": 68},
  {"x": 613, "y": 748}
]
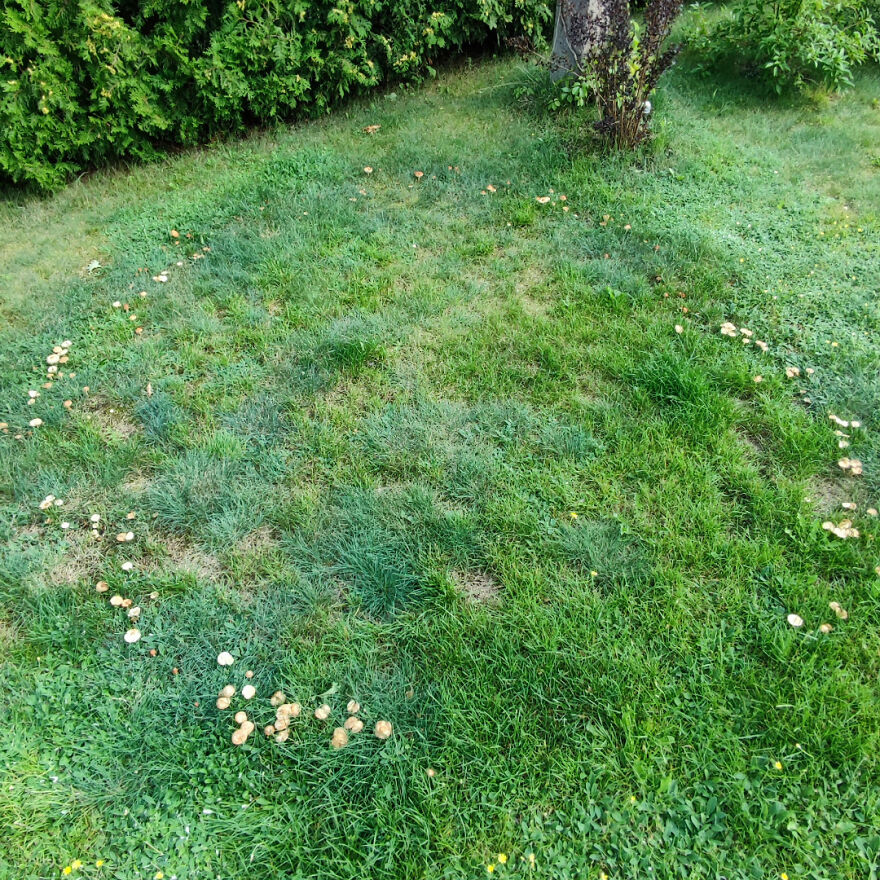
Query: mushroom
[
  {"x": 248, "y": 691},
  {"x": 282, "y": 723},
  {"x": 353, "y": 707},
  {"x": 227, "y": 691},
  {"x": 240, "y": 717},
  {"x": 383, "y": 729},
  {"x": 223, "y": 702},
  {"x": 322, "y": 713},
  {"x": 249, "y": 673},
  {"x": 102, "y": 586},
  {"x": 132, "y": 635},
  {"x": 282, "y": 735},
  {"x": 354, "y": 724},
  {"x": 340, "y": 738},
  {"x": 116, "y": 600},
  {"x": 277, "y": 698},
  {"x": 239, "y": 738},
  {"x": 842, "y": 613},
  {"x": 826, "y": 628},
  {"x": 224, "y": 658},
  {"x": 269, "y": 729},
  {"x": 134, "y": 612},
  {"x": 795, "y": 620}
]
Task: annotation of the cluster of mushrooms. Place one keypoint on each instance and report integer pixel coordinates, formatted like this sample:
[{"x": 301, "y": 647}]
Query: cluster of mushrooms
[{"x": 286, "y": 712}]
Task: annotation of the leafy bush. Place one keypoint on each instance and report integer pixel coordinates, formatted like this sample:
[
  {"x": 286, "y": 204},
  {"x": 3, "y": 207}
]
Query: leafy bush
[
  {"x": 99, "y": 80},
  {"x": 618, "y": 63},
  {"x": 799, "y": 42}
]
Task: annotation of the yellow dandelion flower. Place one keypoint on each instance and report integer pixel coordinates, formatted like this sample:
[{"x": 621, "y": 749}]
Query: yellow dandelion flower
[
  {"x": 783, "y": 876},
  {"x": 159, "y": 875},
  {"x": 632, "y": 799},
  {"x": 777, "y": 765},
  {"x": 67, "y": 869},
  {"x": 99, "y": 863},
  {"x": 531, "y": 860},
  {"x": 490, "y": 869},
  {"x": 573, "y": 515},
  {"x": 76, "y": 864},
  {"x": 502, "y": 857}
]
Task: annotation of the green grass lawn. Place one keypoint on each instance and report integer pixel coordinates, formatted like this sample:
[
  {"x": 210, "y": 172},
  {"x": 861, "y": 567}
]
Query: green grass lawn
[{"x": 440, "y": 448}]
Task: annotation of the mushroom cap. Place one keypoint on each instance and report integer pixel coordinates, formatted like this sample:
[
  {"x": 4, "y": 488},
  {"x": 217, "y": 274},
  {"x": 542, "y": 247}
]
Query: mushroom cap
[
  {"x": 102, "y": 586},
  {"x": 826, "y": 628},
  {"x": 340, "y": 738},
  {"x": 228, "y": 691},
  {"x": 223, "y": 702},
  {"x": 240, "y": 717},
  {"x": 134, "y": 612},
  {"x": 353, "y": 707},
  {"x": 277, "y": 698},
  {"x": 383, "y": 729},
  {"x": 249, "y": 673},
  {"x": 282, "y": 723},
  {"x": 322, "y": 713},
  {"x": 239, "y": 737},
  {"x": 282, "y": 735},
  {"x": 795, "y": 620},
  {"x": 116, "y": 600},
  {"x": 354, "y": 724},
  {"x": 224, "y": 658},
  {"x": 132, "y": 635},
  {"x": 248, "y": 691},
  {"x": 269, "y": 729}
]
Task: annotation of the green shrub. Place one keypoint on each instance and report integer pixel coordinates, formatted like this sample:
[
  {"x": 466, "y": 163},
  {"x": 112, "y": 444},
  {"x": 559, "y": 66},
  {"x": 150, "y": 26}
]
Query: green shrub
[
  {"x": 95, "y": 81},
  {"x": 799, "y": 42}
]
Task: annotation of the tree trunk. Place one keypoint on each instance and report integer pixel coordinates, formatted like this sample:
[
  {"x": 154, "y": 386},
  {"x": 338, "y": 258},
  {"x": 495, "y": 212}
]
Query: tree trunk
[{"x": 579, "y": 24}]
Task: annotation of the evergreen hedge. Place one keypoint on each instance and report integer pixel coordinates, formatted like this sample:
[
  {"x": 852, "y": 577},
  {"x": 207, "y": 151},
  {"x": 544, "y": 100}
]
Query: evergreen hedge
[{"x": 83, "y": 82}]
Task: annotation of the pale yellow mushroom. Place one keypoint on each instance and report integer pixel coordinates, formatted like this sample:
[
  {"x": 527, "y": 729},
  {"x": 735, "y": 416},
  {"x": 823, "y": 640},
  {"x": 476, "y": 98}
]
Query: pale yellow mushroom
[
  {"x": 282, "y": 723},
  {"x": 102, "y": 586},
  {"x": 269, "y": 729},
  {"x": 248, "y": 691},
  {"x": 277, "y": 698},
  {"x": 240, "y": 717},
  {"x": 340, "y": 738},
  {"x": 353, "y": 707},
  {"x": 223, "y": 703},
  {"x": 134, "y": 612},
  {"x": 227, "y": 691},
  {"x": 224, "y": 658},
  {"x": 354, "y": 724},
  {"x": 322, "y": 713},
  {"x": 282, "y": 735},
  {"x": 116, "y": 600},
  {"x": 383, "y": 729},
  {"x": 131, "y": 636}
]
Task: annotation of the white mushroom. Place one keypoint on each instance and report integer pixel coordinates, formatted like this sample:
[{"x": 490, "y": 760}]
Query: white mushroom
[
  {"x": 354, "y": 724},
  {"x": 353, "y": 707},
  {"x": 131, "y": 636},
  {"x": 248, "y": 691},
  {"x": 224, "y": 658},
  {"x": 383, "y": 729},
  {"x": 340, "y": 738},
  {"x": 322, "y": 713}
]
